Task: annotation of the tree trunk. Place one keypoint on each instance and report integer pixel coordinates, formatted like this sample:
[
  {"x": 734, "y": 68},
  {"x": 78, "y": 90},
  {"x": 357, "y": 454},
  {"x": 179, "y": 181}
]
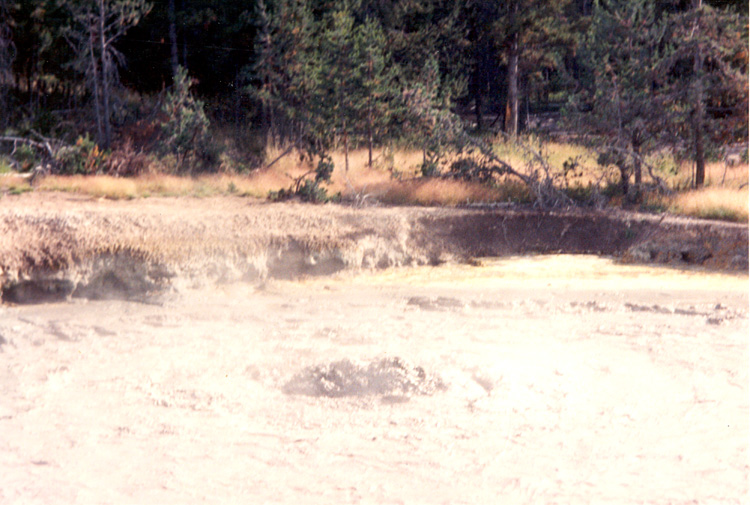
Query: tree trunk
[
  {"x": 346, "y": 148},
  {"x": 637, "y": 163},
  {"x": 624, "y": 180},
  {"x": 105, "y": 73},
  {"x": 95, "y": 77},
  {"x": 511, "y": 116},
  {"x": 700, "y": 161},
  {"x": 173, "y": 37},
  {"x": 478, "y": 106},
  {"x": 637, "y": 171},
  {"x": 369, "y": 118},
  {"x": 698, "y": 113}
]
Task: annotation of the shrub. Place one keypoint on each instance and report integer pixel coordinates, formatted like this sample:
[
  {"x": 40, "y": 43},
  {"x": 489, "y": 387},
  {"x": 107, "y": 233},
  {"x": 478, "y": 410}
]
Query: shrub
[
  {"x": 84, "y": 157},
  {"x": 185, "y": 132},
  {"x": 310, "y": 189},
  {"x": 26, "y": 157}
]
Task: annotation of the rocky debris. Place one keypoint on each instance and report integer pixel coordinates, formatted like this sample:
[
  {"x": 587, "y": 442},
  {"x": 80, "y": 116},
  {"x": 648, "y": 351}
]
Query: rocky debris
[
  {"x": 694, "y": 242},
  {"x": 439, "y": 303},
  {"x": 634, "y": 307}
]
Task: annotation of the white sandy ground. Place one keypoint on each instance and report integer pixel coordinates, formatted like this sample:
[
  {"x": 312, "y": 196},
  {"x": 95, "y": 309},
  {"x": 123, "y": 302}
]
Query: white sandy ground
[{"x": 567, "y": 380}]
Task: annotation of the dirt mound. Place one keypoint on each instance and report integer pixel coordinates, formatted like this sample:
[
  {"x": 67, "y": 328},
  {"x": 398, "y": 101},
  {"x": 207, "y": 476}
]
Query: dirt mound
[
  {"x": 54, "y": 246},
  {"x": 388, "y": 377}
]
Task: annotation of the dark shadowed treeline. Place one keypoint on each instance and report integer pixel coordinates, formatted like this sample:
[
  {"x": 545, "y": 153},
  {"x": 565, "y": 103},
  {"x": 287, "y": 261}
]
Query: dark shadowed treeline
[{"x": 166, "y": 77}]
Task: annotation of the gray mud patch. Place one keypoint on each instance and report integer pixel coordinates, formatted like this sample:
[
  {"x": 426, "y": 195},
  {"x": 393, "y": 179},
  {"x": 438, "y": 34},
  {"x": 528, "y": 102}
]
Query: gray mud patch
[
  {"x": 392, "y": 378},
  {"x": 435, "y": 303}
]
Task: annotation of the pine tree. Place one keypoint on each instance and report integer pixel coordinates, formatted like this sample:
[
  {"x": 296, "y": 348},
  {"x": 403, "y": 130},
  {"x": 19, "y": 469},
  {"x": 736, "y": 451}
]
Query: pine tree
[
  {"x": 707, "y": 70},
  {"x": 97, "y": 26},
  {"x": 532, "y": 35},
  {"x": 339, "y": 89},
  {"x": 284, "y": 74},
  {"x": 325, "y": 74},
  {"x": 378, "y": 95},
  {"x": 650, "y": 75},
  {"x": 619, "y": 100}
]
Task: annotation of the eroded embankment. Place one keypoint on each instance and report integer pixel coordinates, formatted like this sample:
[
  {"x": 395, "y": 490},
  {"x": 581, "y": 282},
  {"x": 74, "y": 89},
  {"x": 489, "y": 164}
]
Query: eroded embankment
[{"x": 64, "y": 246}]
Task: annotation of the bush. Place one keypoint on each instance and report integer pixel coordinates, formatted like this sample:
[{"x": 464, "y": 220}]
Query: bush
[
  {"x": 26, "y": 157},
  {"x": 310, "y": 189},
  {"x": 84, "y": 157},
  {"x": 473, "y": 170}
]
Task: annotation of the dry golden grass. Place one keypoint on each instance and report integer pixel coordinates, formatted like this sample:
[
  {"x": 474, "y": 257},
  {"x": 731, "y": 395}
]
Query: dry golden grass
[
  {"x": 724, "y": 196},
  {"x": 443, "y": 192},
  {"x": 117, "y": 188},
  {"x": 96, "y": 186},
  {"x": 718, "y": 173},
  {"x": 13, "y": 183},
  {"x": 710, "y": 203},
  {"x": 393, "y": 180},
  {"x": 556, "y": 153}
]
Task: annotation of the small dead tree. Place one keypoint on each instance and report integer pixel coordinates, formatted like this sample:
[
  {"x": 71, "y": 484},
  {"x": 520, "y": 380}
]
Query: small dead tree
[{"x": 97, "y": 25}]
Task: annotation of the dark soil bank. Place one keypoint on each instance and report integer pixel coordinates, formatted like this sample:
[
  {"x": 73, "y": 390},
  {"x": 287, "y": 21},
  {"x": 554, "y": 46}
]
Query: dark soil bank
[{"x": 54, "y": 246}]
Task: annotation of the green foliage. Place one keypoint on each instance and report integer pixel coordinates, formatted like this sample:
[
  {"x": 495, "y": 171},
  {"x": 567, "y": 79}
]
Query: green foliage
[
  {"x": 378, "y": 105},
  {"x": 665, "y": 163},
  {"x": 707, "y": 69},
  {"x": 26, "y": 156},
  {"x": 324, "y": 79},
  {"x": 185, "y": 131},
  {"x": 430, "y": 122},
  {"x": 84, "y": 157},
  {"x": 283, "y": 75},
  {"x": 622, "y": 48},
  {"x": 620, "y": 104},
  {"x": 6, "y": 165},
  {"x": 43, "y": 122},
  {"x": 648, "y": 77}
]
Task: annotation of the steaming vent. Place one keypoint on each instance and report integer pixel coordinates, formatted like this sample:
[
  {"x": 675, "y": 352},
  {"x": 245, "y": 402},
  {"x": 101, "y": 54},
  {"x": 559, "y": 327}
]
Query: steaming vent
[{"x": 387, "y": 377}]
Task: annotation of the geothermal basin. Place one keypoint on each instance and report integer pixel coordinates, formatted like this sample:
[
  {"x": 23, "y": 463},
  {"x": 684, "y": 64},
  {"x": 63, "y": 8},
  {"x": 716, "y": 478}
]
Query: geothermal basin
[{"x": 533, "y": 379}]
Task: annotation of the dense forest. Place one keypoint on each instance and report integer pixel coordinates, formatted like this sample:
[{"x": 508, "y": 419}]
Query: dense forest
[{"x": 180, "y": 79}]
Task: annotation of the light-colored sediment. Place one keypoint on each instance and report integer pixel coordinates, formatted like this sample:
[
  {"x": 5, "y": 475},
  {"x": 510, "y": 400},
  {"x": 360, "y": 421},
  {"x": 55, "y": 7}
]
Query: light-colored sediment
[{"x": 536, "y": 379}]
